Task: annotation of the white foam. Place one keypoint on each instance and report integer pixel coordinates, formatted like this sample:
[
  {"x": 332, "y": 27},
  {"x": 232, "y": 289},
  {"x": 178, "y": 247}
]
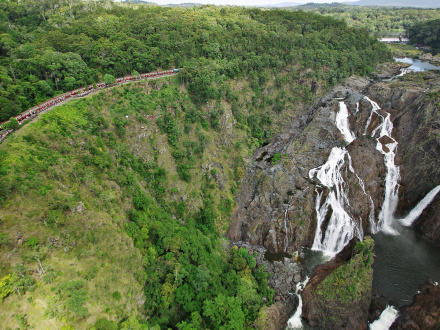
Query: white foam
[
  {"x": 385, "y": 320},
  {"x": 341, "y": 227},
  {"x": 295, "y": 321}
]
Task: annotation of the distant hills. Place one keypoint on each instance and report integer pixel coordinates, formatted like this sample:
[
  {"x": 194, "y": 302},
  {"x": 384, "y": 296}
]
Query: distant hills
[
  {"x": 383, "y": 3},
  {"x": 311, "y": 5},
  {"x": 399, "y": 3}
]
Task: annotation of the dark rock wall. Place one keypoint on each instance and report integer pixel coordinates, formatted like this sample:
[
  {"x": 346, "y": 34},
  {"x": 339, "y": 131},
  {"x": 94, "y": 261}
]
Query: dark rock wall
[{"x": 423, "y": 313}]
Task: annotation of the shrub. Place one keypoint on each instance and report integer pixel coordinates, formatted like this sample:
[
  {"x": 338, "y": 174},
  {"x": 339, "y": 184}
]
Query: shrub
[{"x": 117, "y": 295}]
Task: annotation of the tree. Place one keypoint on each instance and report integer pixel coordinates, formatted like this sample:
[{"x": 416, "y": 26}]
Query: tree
[
  {"x": 109, "y": 79},
  {"x": 12, "y": 124}
]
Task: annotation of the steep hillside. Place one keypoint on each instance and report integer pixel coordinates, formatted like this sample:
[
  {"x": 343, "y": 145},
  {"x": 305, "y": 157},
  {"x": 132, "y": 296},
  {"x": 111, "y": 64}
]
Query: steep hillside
[{"x": 114, "y": 193}]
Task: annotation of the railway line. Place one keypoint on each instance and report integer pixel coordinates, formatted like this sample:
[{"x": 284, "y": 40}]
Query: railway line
[{"x": 31, "y": 113}]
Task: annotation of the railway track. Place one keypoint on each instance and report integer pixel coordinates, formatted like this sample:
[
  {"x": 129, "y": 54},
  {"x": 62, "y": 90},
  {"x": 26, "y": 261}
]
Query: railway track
[{"x": 33, "y": 112}]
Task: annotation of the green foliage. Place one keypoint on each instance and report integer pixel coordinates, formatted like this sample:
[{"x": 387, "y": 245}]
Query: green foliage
[
  {"x": 75, "y": 294},
  {"x": 276, "y": 158},
  {"x": 11, "y": 124},
  {"x": 375, "y": 19},
  {"x": 6, "y": 287},
  {"x": 426, "y": 34},
  {"x": 104, "y": 324},
  {"x": 52, "y": 51},
  {"x": 350, "y": 282},
  {"x": 117, "y": 295},
  {"x": 32, "y": 241},
  {"x": 109, "y": 79}
]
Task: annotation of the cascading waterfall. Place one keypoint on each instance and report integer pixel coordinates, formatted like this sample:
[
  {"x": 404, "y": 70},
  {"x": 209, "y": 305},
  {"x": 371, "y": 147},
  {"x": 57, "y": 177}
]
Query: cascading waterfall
[
  {"x": 384, "y": 129},
  {"x": 385, "y": 320},
  {"x": 341, "y": 227},
  {"x": 295, "y": 321},
  {"x": 416, "y": 211},
  {"x": 342, "y": 123}
]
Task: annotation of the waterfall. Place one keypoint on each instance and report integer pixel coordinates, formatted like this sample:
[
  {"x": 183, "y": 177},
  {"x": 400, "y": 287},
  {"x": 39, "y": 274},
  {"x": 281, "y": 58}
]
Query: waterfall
[
  {"x": 295, "y": 321},
  {"x": 416, "y": 211},
  {"x": 385, "y": 320},
  {"x": 342, "y": 123},
  {"x": 341, "y": 227},
  {"x": 384, "y": 129}
]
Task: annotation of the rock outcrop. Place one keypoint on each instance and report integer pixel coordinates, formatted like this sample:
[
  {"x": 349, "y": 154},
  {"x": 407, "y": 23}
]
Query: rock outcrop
[
  {"x": 423, "y": 313},
  {"x": 338, "y": 296},
  {"x": 275, "y": 316}
]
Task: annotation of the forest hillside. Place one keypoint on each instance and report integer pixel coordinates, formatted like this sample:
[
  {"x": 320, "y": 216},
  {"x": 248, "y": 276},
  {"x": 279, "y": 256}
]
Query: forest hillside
[{"x": 114, "y": 206}]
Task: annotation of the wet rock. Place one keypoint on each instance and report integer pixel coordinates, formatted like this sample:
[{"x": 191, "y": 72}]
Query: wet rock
[
  {"x": 275, "y": 317},
  {"x": 416, "y": 126},
  {"x": 377, "y": 306},
  {"x": 423, "y": 313}
]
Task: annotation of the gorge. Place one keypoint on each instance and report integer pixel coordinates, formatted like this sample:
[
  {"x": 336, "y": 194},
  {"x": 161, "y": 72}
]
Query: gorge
[{"x": 366, "y": 185}]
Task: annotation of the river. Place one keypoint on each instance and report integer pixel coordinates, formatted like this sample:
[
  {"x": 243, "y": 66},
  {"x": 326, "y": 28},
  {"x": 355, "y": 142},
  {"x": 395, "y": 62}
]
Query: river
[
  {"x": 402, "y": 263},
  {"x": 417, "y": 65}
]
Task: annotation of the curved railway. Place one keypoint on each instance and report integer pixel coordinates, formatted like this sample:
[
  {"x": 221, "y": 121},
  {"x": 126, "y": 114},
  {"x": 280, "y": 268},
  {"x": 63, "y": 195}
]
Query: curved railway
[{"x": 80, "y": 92}]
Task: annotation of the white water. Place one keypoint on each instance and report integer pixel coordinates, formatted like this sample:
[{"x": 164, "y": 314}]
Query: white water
[
  {"x": 295, "y": 321},
  {"x": 416, "y": 211},
  {"x": 340, "y": 227},
  {"x": 385, "y": 320},
  {"x": 403, "y": 71},
  {"x": 342, "y": 123},
  {"x": 385, "y": 128}
]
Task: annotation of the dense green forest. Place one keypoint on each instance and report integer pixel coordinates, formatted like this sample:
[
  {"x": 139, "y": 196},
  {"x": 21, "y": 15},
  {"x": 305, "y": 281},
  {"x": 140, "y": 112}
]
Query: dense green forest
[
  {"x": 113, "y": 206},
  {"x": 426, "y": 34},
  {"x": 49, "y": 47},
  {"x": 376, "y": 20}
]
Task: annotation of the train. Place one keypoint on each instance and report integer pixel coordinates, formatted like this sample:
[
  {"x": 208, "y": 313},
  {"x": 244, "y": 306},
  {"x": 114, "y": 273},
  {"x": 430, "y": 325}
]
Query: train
[{"x": 80, "y": 92}]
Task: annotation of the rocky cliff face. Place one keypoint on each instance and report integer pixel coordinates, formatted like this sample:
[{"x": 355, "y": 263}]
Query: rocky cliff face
[{"x": 276, "y": 206}]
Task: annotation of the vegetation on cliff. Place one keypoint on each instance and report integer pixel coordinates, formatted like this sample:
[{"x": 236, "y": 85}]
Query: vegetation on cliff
[{"x": 98, "y": 219}]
